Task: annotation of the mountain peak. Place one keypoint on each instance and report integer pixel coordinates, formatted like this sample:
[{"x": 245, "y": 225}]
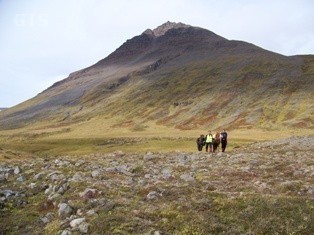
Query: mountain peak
[{"x": 162, "y": 29}]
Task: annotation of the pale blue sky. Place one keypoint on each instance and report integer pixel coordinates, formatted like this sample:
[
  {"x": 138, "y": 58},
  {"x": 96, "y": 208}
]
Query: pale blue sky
[{"x": 42, "y": 41}]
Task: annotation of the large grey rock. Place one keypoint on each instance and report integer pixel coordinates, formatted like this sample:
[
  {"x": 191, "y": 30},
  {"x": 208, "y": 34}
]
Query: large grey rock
[
  {"x": 80, "y": 163},
  {"x": 39, "y": 176},
  {"x": 62, "y": 163},
  {"x": 78, "y": 177},
  {"x": 47, "y": 218},
  {"x": 76, "y": 222},
  {"x": 184, "y": 159},
  {"x": 125, "y": 169},
  {"x": 63, "y": 188},
  {"x": 166, "y": 173},
  {"x": 2, "y": 177},
  {"x": 57, "y": 177},
  {"x": 152, "y": 195},
  {"x": 54, "y": 197},
  {"x": 66, "y": 232},
  {"x": 84, "y": 227},
  {"x": 149, "y": 156},
  {"x": 64, "y": 211},
  {"x": 95, "y": 173},
  {"x": 187, "y": 177},
  {"x": 17, "y": 170},
  {"x": 21, "y": 178},
  {"x": 89, "y": 193},
  {"x": 6, "y": 193}
]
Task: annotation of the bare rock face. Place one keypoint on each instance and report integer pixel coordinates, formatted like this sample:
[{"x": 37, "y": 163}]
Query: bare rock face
[{"x": 162, "y": 29}]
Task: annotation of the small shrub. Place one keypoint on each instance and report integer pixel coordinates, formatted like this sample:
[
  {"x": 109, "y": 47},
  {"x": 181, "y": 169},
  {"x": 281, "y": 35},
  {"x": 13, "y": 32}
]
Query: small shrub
[{"x": 52, "y": 228}]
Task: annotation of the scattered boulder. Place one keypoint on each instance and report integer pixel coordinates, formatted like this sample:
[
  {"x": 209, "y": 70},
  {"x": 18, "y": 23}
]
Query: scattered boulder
[
  {"x": 80, "y": 163},
  {"x": 21, "y": 178},
  {"x": 6, "y": 193},
  {"x": 89, "y": 193},
  {"x": 64, "y": 210},
  {"x": 76, "y": 222},
  {"x": 2, "y": 177},
  {"x": 166, "y": 173},
  {"x": 184, "y": 159},
  {"x": 95, "y": 173},
  {"x": 66, "y": 232},
  {"x": 54, "y": 197},
  {"x": 47, "y": 218},
  {"x": 84, "y": 227},
  {"x": 187, "y": 178},
  {"x": 17, "y": 170},
  {"x": 149, "y": 156},
  {"x": 39, "y": 176},
  {"x": 78, "y": 177},
  {"x": 91, "y": 213},
  {"x": 152, "y": 195}
]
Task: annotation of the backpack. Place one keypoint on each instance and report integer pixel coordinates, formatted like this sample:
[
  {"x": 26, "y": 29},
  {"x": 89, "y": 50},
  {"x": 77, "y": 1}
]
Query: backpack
[{"x": 224, "y": 135}]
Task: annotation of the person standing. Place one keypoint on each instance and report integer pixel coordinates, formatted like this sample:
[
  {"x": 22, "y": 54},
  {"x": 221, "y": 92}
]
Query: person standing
[
  {"x": 200, "y": 141},
  {"x": 216, "y": 142},
  {"x": 209, "y": 141},
  {"x": 223, "y": 138}
]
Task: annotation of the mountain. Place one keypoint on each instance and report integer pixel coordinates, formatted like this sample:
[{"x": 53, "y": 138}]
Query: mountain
[{"x": 179, "y": 76}]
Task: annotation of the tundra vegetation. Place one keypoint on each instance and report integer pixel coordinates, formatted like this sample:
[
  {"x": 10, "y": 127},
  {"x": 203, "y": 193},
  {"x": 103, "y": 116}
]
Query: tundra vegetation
[{"x": 153, "y": 181}]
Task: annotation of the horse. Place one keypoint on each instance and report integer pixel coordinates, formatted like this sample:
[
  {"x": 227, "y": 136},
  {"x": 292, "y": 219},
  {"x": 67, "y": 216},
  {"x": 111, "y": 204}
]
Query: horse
[
  {"x": 200, "y": 142},
  {"x": 216, "y": 142}
]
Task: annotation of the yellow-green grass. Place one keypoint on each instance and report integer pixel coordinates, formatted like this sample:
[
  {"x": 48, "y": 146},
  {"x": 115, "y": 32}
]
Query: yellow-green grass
[{"x": 99, "y": 136}]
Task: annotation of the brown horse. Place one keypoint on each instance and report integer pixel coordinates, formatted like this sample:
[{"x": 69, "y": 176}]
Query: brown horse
[{"x": 216, "y": 141}]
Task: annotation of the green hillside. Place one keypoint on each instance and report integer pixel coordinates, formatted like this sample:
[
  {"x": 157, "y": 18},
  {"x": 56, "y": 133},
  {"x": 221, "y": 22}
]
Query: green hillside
[{"x": 184, "y": 78}]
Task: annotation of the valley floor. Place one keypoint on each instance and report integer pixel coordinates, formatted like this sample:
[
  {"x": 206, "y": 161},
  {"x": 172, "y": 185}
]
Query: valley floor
[{"x": 263, "y": 188}]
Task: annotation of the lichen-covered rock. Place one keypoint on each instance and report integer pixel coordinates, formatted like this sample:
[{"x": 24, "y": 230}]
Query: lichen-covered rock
[
  {"x": 89, "y": 193},
  {"x": 152, "y": 195},
  {"x": 76, "y": 222},
  {"x": 47, "y": 218},
  {"x": 187, "y": 178},
  {"x": 17, "y": 170},
  {"x": 84, "y": 227},
  {"x": 95, "y": 173},
  {"x": 39, "y": 176},
  {"x": 64, "y": 210}
]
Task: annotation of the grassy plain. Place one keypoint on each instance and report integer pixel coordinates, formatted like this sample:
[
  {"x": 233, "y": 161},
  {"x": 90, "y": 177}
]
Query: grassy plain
[
  {"x": 103, "y": 136},
  {"x": 248, "y": 193}
]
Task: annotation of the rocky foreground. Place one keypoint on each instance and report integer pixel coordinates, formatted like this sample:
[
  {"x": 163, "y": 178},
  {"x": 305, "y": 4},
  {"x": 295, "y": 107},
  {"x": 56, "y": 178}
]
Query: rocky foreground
[{"x": 264, "y": 188}]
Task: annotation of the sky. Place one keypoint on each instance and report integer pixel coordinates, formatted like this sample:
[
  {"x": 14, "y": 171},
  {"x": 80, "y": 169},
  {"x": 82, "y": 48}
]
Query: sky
[{"x": 43, "y": 41}]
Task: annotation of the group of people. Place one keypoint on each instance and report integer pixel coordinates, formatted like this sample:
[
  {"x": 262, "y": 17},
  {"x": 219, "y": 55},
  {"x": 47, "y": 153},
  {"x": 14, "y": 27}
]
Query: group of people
[{"x": 212, "y": 142}]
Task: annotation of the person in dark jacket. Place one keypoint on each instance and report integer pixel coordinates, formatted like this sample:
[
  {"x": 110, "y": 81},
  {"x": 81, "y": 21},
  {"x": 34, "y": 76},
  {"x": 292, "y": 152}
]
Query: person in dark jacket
[
  {"x": 200, "y": 141},
  {"x": 216, "y": 142},
  {"x": 223, "y": 140}
]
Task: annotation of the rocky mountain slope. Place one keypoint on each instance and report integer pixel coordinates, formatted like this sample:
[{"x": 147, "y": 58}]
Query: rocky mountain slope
[
  {"x": 180, "y": 76},
  {"x": 264, "y": 188}
]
